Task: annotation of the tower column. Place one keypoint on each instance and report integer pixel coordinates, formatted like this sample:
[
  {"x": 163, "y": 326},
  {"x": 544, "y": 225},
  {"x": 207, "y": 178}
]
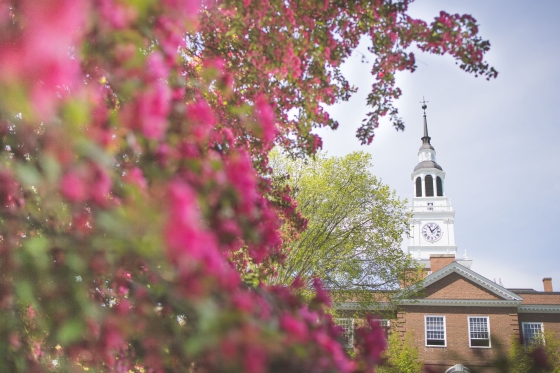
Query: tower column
[
  {"x": 434, "y": 182},
  {"x": 423, "y": 186}
]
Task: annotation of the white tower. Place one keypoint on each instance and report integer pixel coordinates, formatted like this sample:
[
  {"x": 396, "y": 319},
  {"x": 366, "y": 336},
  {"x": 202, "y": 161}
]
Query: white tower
[{"x": 432, "y": 227}]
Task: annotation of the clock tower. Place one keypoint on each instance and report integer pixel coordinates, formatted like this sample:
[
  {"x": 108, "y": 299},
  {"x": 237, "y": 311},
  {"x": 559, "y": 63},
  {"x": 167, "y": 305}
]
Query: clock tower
[{"x": 432, "y": 227}]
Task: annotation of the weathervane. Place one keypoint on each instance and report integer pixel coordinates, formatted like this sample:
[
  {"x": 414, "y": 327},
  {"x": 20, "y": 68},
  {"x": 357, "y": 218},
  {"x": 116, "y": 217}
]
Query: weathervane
[{"x": 424, "y": 106}]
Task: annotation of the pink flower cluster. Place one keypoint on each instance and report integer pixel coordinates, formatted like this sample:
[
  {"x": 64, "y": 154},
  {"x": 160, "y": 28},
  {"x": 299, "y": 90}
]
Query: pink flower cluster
[{"x": 40, "y": 54}]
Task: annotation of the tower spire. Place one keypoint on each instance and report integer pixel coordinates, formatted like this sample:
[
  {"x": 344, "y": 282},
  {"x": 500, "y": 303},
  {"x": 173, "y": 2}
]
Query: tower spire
[{"x": 426, "y": 139}]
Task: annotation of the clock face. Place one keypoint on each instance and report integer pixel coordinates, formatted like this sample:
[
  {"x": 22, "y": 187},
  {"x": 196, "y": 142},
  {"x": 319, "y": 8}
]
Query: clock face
[{"x": 431, "y": 232}]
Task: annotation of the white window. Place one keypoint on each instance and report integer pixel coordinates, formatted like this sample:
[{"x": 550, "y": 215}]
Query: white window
[
  {"x": 348, "y": 326},
  {"x": 435, "y": 331},
  {"x": 385, "y": 324},
  {"x": 479, "y": 331},
  {"x": 532, "y": 332}
]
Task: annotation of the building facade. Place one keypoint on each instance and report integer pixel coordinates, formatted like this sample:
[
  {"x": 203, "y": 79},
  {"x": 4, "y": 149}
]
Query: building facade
[{"x": 459, "y": 319}]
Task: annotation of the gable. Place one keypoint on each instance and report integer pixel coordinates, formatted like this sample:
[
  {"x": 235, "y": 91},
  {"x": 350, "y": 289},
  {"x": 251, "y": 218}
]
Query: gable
[{"x": 456, "y": 286}]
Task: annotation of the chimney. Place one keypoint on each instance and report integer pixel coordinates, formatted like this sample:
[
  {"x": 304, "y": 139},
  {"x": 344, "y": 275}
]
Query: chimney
[
  {"x": 547, "y": 282},
  {"x": 438, "y": 261}
]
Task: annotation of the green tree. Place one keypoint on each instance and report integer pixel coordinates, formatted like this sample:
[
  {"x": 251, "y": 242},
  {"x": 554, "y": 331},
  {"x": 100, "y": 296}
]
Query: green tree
[
  {"x": 543, "y": 356},
  {"x": 354, "y": 229},
  {"x": 401, "y": 355}
]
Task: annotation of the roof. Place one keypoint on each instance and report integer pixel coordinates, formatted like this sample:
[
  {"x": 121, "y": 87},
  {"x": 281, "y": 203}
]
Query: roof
[
  {"x": 506, "y": 297},
  {"x": 427, "y": 164}
]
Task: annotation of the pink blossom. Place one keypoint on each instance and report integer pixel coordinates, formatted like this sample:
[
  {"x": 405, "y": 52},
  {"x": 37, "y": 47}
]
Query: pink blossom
[
  {"x": 321, "y": 295},
  {"x": 254, "y": 360},
  {"x": 118, "y": 15},
  {"x": 157, "y": 68},
  {"x": 14, "y": 340},
  {"x": 153, "y": 106},
  {"x": 294, "y": 327},
  {"x": 101, "y": 186},
  {"x": 113, "y": 338},
  {"x": 74, "y": 187},
  {"x": 243, "y": 301},
  {"x": 40, "y": 57},
  {"x": 162, "y": 154},
  {"x": 185, "y": 237},
  {"x": 187, "y": 8},
  {"x": 170, "y": 35},
  {"x": 266, "y": 118},
  {"x": 135, "y": 176},
  {"x": 371, "y": 340},
  {"x": 202, "y": 118},
  {"x": 241, "y": 174}
]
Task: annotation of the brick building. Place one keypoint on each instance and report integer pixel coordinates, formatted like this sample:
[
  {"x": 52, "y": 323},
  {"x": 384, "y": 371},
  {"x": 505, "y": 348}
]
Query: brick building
[{"x": 459, "y": 318}]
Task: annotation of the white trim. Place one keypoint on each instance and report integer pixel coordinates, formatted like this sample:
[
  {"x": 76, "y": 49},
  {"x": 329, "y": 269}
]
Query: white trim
[
  {"x": 472, "y": 276},
  {"x": 426, "y": 331},
  {"x": 488, "y": 325},
  {"x": 538, "y": 308},
  {"x": 384, "y": 323},
  {"x": 460, "y": 302},
  {"x": 359, "y": 306}
]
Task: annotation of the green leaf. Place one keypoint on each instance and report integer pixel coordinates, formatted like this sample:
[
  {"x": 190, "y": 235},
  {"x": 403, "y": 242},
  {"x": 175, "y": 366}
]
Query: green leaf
[
  {"x": 71, "y": 331},
  {"x": 38, "y": 247},
  {"x": 28, "y": 175},
  {"x": 24, "y": 291}
]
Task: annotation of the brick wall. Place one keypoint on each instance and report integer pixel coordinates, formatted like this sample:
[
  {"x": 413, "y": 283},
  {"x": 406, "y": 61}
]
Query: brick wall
[
  {"x": 438, "y": 261},
  {"x": 503, "y": 324},
  {"x": 540, "y": 298}
]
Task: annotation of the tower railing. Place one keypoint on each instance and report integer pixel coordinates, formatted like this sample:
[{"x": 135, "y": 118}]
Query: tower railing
[{"x": 431, "y": 208}]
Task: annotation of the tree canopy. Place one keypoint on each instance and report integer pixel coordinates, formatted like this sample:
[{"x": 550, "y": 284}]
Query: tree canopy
[
  {"x": 355, "y": 224},
  {"x": 135, "y": 194}
]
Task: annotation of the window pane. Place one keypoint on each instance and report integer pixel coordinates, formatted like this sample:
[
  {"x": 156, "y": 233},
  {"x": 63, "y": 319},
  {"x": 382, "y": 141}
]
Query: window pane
[
  {"x": 439, "y": 186},
  {"x": 435, "y": 331},
  {"x": 479, "y": 332},
  {"x": 348, "y": 326},
  {"x": 418, "y": 187},
  {"x": 532, "y": 332}
]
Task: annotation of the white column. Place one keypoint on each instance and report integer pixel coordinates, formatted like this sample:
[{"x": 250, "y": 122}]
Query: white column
[
  {"x": 435, "y": 185},
  {"x": 414, "y": 187},
  {"x": 423, "y": 187}
]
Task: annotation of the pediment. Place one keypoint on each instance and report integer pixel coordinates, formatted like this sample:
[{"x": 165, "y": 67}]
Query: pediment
[
  {"x": 456, "y": 286},
  {"x": 456, "y": 282}
]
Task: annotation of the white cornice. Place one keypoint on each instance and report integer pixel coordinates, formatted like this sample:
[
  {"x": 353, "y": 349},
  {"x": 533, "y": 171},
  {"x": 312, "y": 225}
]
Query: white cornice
[
  {"x": 460, "y": 302},
  {"x": 358, "y": 306},
  {"x": 539, "y": 308},
  {"x": 472, "y": 276}
]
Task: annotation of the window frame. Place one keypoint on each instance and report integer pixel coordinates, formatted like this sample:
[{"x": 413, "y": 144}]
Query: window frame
[
  {"x": 439, "y": 186},
  {"x": 480, "y": 339},
  {"x": 426, "y": 331},
  {"x": 350, "y": 332},
  {"x": 429, "y": 186},
  {"x": 523, "y": 331},
  {"x": 419, "y": 187}
]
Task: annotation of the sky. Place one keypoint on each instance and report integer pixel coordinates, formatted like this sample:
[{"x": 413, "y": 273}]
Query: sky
[{"x": 498, "y": 141}]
